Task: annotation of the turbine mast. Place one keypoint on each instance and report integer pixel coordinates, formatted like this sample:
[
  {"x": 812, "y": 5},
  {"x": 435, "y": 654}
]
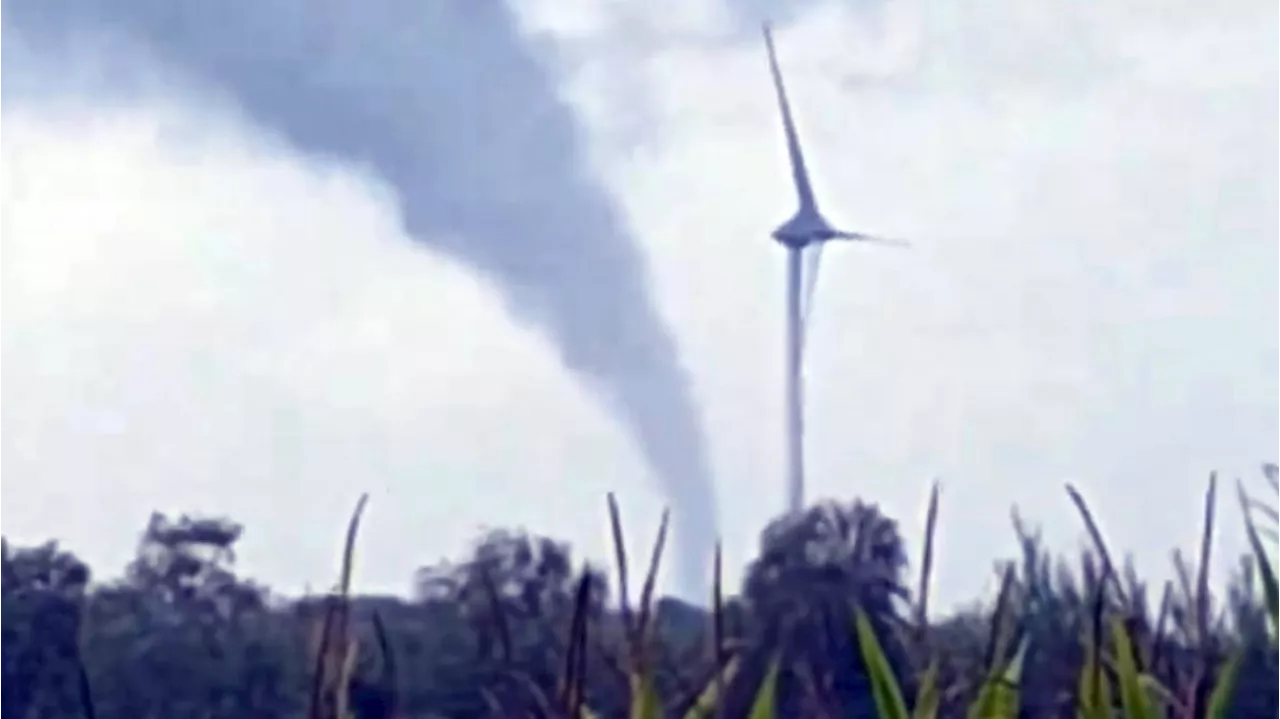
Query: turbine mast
[{"x": 795, "y": 381}]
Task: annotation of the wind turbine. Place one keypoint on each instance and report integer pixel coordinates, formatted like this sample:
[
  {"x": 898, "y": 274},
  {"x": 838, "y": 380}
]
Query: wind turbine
[{"x": 807, "y": 230}]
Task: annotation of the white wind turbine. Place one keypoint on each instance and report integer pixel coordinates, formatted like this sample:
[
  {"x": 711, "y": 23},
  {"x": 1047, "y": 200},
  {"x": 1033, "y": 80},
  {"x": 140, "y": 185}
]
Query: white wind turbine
[{"x": 803, "y": 236}]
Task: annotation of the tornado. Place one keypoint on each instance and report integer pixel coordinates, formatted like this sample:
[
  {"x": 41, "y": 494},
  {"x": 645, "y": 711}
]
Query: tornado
[{"x": 446, "y": 102}]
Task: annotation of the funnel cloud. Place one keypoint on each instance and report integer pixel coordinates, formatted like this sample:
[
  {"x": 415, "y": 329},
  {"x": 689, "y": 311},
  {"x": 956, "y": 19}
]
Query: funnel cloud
[{"x": 446, "y": 103}]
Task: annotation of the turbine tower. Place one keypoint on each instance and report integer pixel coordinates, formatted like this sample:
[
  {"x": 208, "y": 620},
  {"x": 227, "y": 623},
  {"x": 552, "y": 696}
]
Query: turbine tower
[{"x": 806, "y": 231}]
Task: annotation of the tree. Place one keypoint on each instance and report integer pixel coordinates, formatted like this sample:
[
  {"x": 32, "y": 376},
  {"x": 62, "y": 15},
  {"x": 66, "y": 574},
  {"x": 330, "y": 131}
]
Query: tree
[
  {"x": 516, "y": 593},
  {"x": 186, "y": 565},
  {"x": 813, "y": 568},
  {"x": 42, "y": 591},
  {"x": 181, "y": 635}
]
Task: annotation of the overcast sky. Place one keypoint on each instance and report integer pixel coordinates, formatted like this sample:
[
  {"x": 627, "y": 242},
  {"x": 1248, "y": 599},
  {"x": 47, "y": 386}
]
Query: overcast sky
[{"x": 198, "y": 317}]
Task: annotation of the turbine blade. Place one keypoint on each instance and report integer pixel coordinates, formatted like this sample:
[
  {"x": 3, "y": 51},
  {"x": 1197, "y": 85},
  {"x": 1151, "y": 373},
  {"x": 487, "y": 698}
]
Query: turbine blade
[
  {"x": 799, "y": 173},
  {"x": 861, "y": 237}
]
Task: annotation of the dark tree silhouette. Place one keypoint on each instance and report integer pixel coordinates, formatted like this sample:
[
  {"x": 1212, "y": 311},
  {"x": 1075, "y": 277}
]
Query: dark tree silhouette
[
  {"x": 180, "y": 634},
  {"x": 813, "y": 569}
]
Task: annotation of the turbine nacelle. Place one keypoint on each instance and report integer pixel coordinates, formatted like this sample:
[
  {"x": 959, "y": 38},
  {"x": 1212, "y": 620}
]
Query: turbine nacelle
[
  {"x": 807, "y": 227},
  {"x": 804, "y": 229}
]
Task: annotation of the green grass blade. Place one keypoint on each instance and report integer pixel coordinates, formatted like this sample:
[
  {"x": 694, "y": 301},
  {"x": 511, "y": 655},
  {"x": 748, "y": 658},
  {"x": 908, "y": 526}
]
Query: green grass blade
[
  {"x": 709, "y": 699},
  {"x": 1093, "y": 700},
  {"x": 1001, "y": 619},
  {"x": 645, "y": 703},
  {"x": 884, "y": 686},
  {"x": 998, "y": 698},
  {"x": 1163, "y": 694},
  {"x": 765, "y": 705},
  {"x": 1134, "y": 700},
  {"x": 929, "y": 695},
  {"x": 1094, "y": 697},
  {"x": 1270, "y": 590},
  {"x": 1220, "y": 698}
]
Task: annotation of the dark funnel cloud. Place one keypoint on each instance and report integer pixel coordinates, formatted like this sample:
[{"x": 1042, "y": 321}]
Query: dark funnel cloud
[{"x": 444, "y": 100}]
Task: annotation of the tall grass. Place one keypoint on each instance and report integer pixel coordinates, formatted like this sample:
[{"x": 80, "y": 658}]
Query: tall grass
[
  {"x": 1110, "y": 665},
  {"x": 1112, "y": 681}
]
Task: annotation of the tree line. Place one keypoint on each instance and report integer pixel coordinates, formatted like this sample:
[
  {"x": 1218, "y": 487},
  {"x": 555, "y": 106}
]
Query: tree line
[{"x": 521, "y": 628}]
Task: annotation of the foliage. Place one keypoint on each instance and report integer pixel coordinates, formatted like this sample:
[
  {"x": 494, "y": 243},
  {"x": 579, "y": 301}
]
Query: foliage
[{"x": 825, "y": 625}]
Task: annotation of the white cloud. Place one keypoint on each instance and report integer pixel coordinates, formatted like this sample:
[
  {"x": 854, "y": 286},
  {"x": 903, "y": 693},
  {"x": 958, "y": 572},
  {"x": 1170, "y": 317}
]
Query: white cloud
[{"x": 197, "y": 319}]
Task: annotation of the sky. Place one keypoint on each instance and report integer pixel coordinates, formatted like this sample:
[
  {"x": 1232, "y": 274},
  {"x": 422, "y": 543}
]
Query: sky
[{"x": 201, "y": 315}]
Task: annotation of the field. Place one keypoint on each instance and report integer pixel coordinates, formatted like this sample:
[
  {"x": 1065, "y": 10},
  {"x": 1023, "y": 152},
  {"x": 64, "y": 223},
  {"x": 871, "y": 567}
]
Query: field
[{"x": 827, "y": 623}]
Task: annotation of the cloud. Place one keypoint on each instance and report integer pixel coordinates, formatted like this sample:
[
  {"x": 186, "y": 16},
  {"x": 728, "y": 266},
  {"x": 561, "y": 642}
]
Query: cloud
[{"x": 197, "y": 318}]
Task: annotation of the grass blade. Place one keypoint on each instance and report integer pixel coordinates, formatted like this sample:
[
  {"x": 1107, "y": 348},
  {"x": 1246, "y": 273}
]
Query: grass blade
[
  {"x": 926, "y": 568},
  {"x": 1162, "y": 693},
  {"x": 765, "y": 705},
  {"x": 573, "y": 675},
  {"x": 620, "y": 559},
  {"x": 650, "y": 583},
  {"x": 1202, "y": 577},
  {"x": 1099, "y": 544},
  {"x": 999, "y": 696},
  {"x": 1094, "y": 700},
  {"x": 1134, "y": 700},
  {"x": 884, "y": 685},
  {"x": 1094, "y": 696},
  {"x": 708, "y": 702},
  {"x": 1267, "y": 573},
  {"x": 335, "y": 653},
  {"x": 1001, "y": 616},
  {"x": 349, "y": 546},
  {"x": 1223, "y": 692},
  {"x": 929, "y": 695},
  {"x": 645, "y": 703}
]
